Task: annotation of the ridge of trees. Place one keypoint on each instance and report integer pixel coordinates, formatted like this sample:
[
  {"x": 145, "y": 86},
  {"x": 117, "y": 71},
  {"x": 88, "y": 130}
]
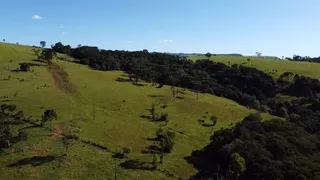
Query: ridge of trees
[{"x": 247, "y": 86}]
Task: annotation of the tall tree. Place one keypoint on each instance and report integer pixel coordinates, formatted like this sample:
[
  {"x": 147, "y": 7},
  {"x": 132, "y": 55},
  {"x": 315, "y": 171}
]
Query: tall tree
[
  {"x": 70, "y": 134},
  {"x": 258, "y": 54},
  {"x": 47, "y": 55},
  {"x": 208, "y": 55},
  {"x": 43, "y": 44}
]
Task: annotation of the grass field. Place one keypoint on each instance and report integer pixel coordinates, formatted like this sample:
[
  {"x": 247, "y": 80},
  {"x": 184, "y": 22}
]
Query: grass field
[
  {"x": 274, "y": 67},
  {"x": 117, "y": 106}
]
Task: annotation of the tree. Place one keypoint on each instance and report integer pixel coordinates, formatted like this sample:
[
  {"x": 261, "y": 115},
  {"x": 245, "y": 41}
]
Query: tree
[
  {"x": 43, "y": 44},
  {"x": 4, "y": 40},
  {"x": 48, "y": 116},
  {"x": 24, "y": 67},
  {"x": 70, "y": 134},
  {"x": 208, "y": 55},
  {"x": 237, "y": 166},
  {"x": 47, "y": 55},
  {"x": 258, "y": 54},
  {"x": 153, "y": 113}
]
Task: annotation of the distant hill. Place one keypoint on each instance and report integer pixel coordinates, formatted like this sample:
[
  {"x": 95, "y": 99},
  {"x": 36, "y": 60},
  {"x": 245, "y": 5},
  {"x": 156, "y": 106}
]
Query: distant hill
[{"x": 201, "y": 54}]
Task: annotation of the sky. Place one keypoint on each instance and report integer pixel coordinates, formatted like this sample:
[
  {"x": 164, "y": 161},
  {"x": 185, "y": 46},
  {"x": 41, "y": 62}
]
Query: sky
[{"x": 272, "y": 27}]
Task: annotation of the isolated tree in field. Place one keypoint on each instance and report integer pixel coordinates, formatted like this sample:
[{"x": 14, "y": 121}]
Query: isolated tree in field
[
  {"x": 4, "y": 40},
  {"x": 43, "y": 44},
  {"x": 258, "y": 54},
  {"x": 70, "y": 134},
  {"x": 208, "y": 55},
  {"x": 24, "y": 67},
  {"x": 47, "y": 55},
  {"x": 153, "y": 112},
  {"x": 48, "y": 116}
]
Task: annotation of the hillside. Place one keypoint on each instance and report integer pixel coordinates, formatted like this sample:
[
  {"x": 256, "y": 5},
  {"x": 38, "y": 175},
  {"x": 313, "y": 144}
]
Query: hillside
[
  {"x": 271, "y": 66},
  {"x": 109, "y": 113}
]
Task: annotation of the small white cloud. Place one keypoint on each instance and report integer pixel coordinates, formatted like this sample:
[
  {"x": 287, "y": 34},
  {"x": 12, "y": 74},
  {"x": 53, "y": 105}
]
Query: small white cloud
[
  {"x": 61, "y": 26},
  {"x": 64, "y": 33},
  {"x": 36, "y": 17},
  {"x": 166, "y": 41}
]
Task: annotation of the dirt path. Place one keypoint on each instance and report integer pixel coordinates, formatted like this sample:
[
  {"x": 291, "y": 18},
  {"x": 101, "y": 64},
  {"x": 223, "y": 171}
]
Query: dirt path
[
  {"x": 61, "y": 79},
  {"x": 57, "y": 133}
]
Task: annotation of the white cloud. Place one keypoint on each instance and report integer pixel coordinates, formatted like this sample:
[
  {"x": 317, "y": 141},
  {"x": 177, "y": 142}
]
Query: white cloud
[
  {"x": 64, "y": 33},
  {"x": 36, "y": 17},
  {"x": 166, "y": 41},
  {"x": 61, "y": 26}
]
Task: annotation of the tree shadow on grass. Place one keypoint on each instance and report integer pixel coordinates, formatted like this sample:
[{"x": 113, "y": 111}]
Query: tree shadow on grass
[
  {"x": 119, "y": 79},
  {"x": 137, "y": 84},
  {"x": 206, "y": 125},
  {"x": 40, "y": 61},
  {"x": 145, "y": 117},
  {"x": 137, "y": 164},
  {"x": 30, "y": 127},
  {"x": 155, "y": 96},
  {"x": 151, "y": 149},
  {"x": 33, "y": 161},
  {"x": 180, "y": 97}
]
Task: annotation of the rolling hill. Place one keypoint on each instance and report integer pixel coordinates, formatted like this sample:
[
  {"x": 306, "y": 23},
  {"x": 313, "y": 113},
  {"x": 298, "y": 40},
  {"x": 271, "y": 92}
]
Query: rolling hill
[
  {"x": 271, "y": 66},
  {"x": 111, "y": 114}
]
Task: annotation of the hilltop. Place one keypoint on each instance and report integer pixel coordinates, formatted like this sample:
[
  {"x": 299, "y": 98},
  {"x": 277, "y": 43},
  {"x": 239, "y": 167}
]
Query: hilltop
[{"x": 272, "y": 67}]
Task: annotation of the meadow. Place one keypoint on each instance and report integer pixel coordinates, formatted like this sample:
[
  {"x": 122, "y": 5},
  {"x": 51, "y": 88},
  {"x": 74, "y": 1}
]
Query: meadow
[
  {"x": 109, "y": 113},
  {"x": 271, "y": 66}
]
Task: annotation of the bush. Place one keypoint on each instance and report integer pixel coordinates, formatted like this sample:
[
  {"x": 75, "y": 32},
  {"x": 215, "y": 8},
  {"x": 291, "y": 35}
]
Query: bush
[
  {"x": 163, "y": 117},
  {"x": 253, "y": 117},
  {"x": 127, "y": 150},
  {"x": 166, "y": 139},
  {"x": 214, "y": 120},
  {"x": 24, "y": 67},
  {"x": 48, "y": 116}
]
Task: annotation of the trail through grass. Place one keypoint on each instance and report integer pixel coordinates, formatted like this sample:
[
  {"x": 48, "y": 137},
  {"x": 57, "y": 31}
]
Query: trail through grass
[{"x": 110, "y": 113}]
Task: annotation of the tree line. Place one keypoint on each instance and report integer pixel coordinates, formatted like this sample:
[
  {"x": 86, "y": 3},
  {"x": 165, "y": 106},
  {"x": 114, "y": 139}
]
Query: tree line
[{"x": 247, "y": 86}]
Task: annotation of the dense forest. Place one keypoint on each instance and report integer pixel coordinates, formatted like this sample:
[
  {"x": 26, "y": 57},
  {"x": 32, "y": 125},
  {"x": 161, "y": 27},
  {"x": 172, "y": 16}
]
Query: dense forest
[{"x": 253, "y": 149}]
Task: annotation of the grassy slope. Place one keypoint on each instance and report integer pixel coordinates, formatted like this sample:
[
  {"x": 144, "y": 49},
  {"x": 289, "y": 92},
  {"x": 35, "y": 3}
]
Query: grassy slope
[
  {"x": 268, "y": 65},
  {"x": 117, "y": 123}
]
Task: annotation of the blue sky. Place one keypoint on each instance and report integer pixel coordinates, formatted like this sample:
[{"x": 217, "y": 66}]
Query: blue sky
[{"x": 272, "y": 27}]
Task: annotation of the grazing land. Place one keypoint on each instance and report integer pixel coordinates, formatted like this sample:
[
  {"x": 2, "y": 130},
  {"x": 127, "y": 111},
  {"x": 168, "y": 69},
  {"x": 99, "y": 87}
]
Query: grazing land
[
  {"x": 271, "y": 66},
  {"x": 112, "y": 115}
]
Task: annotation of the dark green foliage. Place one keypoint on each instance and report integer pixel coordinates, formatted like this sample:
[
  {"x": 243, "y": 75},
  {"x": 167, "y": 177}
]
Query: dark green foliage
[
  {"x": 247, "y": 86},
  {"x": 60, "y": 48},
  {"x": 153, "y": 113},
  {"x": 47, "y": 55},
  {"x": 256, "y": 149},
  {"x": 166, "y": 140},
  {"x": 214, "y": 120},
  {"x": 163, "y": 117},
  {"x": 9, "y": 120},
  {"x": 43, "y": 44},
  {"x": 127, "y": 150},
  {"x": 208, "y": 55},
  {"x": 48, "y": 116},
  {"x": 253, "y": 117},
  {"x": 70, "y": 134},
  {"x": 24, "y": 67}
]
